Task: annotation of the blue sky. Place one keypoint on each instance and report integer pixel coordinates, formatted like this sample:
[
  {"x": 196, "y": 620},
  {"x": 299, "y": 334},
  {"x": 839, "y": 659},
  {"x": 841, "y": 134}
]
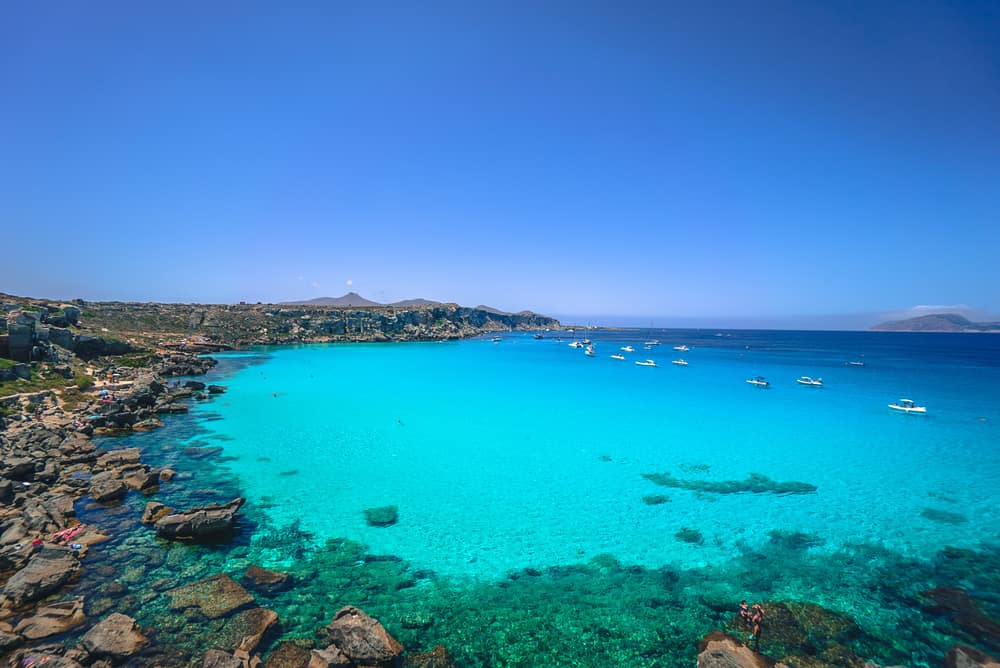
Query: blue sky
[{"x": 770, "y": 160}]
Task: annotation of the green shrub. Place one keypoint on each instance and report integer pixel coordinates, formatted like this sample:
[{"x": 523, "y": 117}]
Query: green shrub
[{"x": 84, "y": 382}]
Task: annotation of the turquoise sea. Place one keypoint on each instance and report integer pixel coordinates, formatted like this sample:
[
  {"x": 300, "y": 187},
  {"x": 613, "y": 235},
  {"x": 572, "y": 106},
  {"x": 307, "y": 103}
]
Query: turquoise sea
[{"x": 525, "y": 473}]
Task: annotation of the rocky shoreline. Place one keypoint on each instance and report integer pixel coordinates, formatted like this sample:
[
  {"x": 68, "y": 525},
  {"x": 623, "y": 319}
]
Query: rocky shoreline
[{"x": 50, "y": 469}]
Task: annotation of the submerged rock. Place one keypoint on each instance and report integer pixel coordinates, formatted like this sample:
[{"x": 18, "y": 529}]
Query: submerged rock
[
  {"x": 382, "y": 516},
  {"x": 755, "y": 483},
  {"x": 213, "y": 596},
  {"x": 264, "y": 580},
  {"x": 288, "y": 654}
]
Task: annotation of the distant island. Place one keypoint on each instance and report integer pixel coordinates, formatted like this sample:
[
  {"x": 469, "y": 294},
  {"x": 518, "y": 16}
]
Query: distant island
[{"x": 938, "y": 322}]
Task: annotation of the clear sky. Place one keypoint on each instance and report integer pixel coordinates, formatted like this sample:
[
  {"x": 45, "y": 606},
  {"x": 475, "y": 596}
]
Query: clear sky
[{"x": 662, "y": 159}]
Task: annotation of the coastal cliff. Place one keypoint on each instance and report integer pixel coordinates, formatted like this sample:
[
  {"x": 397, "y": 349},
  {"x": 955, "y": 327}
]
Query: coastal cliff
[{"x": 33, "y": 328}]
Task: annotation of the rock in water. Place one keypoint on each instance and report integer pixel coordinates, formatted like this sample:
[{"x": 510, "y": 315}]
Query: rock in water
[
  {"x": 117, "y": 637},
  {"x": 213, "y": 597},
  {"x": 383, "y": 516},
  {"x": 362, "y": 639},
  {"x": 208, "y": 521},
  {"x": 216, "y": 658},
  {"x": 46, "y": 571}
]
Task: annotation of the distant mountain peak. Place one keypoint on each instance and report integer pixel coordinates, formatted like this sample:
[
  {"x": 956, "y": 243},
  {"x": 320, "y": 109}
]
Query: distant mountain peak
[{"x": 350, "y": 299}]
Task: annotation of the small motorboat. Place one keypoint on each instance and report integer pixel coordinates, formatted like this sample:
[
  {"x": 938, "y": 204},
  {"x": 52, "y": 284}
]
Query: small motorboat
[
  {"x": 497, "y": 339},
  {"x": 680, "y": 362},
  {"x": 576, "y": 344},
  {"x": 855, "y": 364},
  {"x": 907, "y": 406},
  {"x": 758, "y": 381},
  {"x": 589, "y": 352},
  {"x": 586, "y": 342},
  {"x": 645, "y": 363},
  {"x": 653, "y": 342},
  {"x": 628, "y": 349},
  {"x": 811, "y": 382},
  {"x": 619, "y": 357},
  {"x": 539, "y": 336},
  {"x": 682, "y": 348}
]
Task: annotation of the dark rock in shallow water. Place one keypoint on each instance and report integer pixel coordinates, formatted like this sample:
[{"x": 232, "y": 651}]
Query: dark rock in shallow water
[
  {"x": 288, "y": 654},
  {"x": 755, "y": 483},
  {"x": 245, "y": 630},
  {"x": 944, "y": 516},
  {"x": 202, "y": 453},
  {"x": 216, "y": 389},
  {"x": 213, "y": 596},
  {"x": 266, "y": 581},
  {"x": 205, "y": 522},
  {"x": 687, "y": 535},
  {"x": 117, "y": 637},
  {"x": 655, "y": 499},
  {"x": 383, "y": 516},
  {"x": 965, "y": 612},
  {"x": 795, "y": 540},
  {"x": 439, "y": 657},
  {"x": 154, "y": 511}
]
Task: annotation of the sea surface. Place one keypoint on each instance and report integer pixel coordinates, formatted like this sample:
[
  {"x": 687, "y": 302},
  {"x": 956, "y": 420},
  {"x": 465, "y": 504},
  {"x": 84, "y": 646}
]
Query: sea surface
[{"x": 525, "y": 456}]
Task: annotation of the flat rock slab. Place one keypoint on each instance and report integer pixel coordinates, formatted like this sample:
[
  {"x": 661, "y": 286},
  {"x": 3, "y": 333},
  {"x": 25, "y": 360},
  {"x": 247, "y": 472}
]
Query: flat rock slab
[
  {"x": 214, "y": 597},
  {"x": 116, "y": 636},
  {"x": 52, "y": 620},
  {"x": 46, "y": 571}
]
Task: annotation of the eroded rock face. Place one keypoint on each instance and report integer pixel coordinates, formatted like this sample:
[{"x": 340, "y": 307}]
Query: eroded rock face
[
  {"x": 362, "y": 639},
  {"x": 46, "y": 571},
  {"x": 117, "y": 636},
  {"x": 204, "y": 522}
]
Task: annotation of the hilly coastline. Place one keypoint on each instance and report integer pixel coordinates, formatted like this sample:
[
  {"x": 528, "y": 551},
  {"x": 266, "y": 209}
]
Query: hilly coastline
[{"x": 938, "y": 322}]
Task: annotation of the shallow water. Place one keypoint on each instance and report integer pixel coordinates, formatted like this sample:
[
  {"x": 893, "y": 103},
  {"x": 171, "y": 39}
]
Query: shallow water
[{"x": 526, "y": 454}]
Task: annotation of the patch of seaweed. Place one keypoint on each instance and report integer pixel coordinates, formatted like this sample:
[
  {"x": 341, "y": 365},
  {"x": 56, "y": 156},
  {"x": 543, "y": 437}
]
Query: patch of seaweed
[
  {"x": 756, "y": 483},
  {"x": 655, "y": 499}
]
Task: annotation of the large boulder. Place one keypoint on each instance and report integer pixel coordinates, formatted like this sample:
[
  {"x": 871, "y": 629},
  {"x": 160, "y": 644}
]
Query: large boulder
[
  {"x": 266, "y": 581},
  {"x": 206, "y": 522},
  {"x": 107, "y": 486},
  {"x": 362, "y": 639},
  {"x": 216, "y": 658},
  {"x": 46, "y": 571},
  {"x": 214, "y": 596},
  {"x": 117, "y": 636}
]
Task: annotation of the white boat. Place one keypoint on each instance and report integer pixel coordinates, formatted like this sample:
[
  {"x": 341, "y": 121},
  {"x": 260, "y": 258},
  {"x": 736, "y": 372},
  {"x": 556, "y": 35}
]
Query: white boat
[
  {"x": 653, "y": 342},
  {"x": 645, "y": 363},
  {"x": 812, "y": 382},
  {"x": 758, "y": 381},
  {"x": 619, "y": 357},
  {"x": 576, "y": 344},
  {"x": 589, "y": 352},
  {"x": 586, "y": 342},
  {"x": 855, "y": 364},
  {"x": 907, "y": 406},
  {"x": 680, "y": 362},
  {"x": 682, "y": 348},
  {"x": 497, "y": 339},
  {"x": 628, "y": 349}
]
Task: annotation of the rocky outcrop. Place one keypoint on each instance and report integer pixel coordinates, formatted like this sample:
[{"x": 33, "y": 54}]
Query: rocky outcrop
[
  {"x": 216, "y": 658},
  {"x": 361, "y": 639},
  {"x": 719, "y": 650},
  {"x": 266, "y": 581},
  {"x": 204, "y": 522},
  {"x": 116, "y": 637},
  {"x": 46, "y": 571},
  {"x": 52, "y": 620}
]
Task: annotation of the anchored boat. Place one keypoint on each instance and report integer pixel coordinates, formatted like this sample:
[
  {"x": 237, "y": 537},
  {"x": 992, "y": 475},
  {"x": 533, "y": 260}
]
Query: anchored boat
[
  {"x": 909, "y": 407},
  {"x": 758, "y": 381},
  {"x": 812, "y": 382}
]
